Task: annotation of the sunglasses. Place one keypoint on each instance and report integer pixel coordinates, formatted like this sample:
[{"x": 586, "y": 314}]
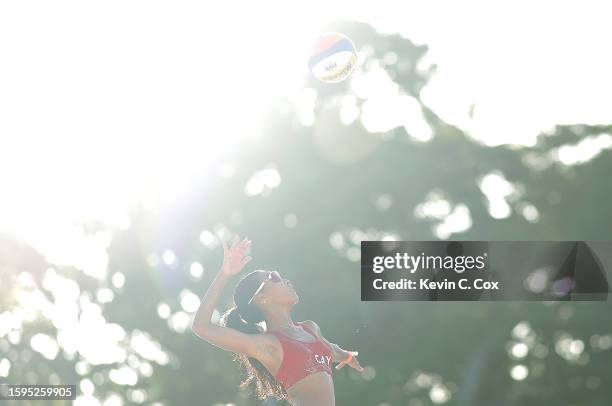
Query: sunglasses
[{"x": 272, "y": 276}]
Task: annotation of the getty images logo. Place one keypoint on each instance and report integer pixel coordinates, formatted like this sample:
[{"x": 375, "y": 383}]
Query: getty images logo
[{"x": 413, "y": 263}]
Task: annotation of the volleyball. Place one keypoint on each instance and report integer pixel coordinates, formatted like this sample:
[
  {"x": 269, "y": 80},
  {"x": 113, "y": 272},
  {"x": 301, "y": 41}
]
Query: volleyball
[{"x": 333, "y": 57}]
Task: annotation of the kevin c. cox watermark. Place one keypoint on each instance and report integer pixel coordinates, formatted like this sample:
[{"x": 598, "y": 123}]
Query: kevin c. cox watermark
[{"x": 484, "y": 270}]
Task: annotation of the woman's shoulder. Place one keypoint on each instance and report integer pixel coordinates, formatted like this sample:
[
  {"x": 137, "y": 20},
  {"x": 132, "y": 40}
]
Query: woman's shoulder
[{"x": 309, "y": 324}]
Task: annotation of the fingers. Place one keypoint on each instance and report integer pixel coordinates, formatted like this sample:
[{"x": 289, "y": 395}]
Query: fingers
[
  {"x": 245, "y": 243},
  {"x": 357, "y": 366},
  {"x": 235, "y": 241},
  {"x": 237, "y": 245},
  {"x": 354, "y": 363},
  {"x": 225, "y": 247},
  {"x": 344, "y": 362},
  {"x": 242, "y": 247},
  {"x": 245, "y": 261}
]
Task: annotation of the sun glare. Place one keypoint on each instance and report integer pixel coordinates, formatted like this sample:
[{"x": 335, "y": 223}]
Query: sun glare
[{"x": 98, "y": 121}]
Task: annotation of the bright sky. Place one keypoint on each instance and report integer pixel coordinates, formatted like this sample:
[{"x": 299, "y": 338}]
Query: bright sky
[
  {"x": 103, "y": 104},
  {"x": 526, "y": 64}
]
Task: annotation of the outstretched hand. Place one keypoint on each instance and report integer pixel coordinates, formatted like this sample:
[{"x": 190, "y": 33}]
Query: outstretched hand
[
  {"x": 234, "y": 258},
  {"x": 352, "y": 363}
]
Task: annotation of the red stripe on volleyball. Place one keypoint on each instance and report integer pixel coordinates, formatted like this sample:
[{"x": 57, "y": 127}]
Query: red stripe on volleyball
[{"x": 325, "y": 42}]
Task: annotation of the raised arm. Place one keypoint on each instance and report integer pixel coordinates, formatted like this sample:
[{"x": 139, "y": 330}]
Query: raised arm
[{"x": 229, "y": 339}]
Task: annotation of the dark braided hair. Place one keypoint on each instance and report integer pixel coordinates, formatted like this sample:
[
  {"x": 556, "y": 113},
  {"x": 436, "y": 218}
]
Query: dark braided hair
[{"x": 247, "y": 317}]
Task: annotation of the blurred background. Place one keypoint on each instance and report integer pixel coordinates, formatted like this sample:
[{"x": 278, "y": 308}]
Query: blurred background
[{"x": 133, "y": 134}]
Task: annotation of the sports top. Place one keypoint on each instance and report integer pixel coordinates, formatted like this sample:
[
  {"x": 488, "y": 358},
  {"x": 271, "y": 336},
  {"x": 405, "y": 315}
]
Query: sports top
[{"x": 301, "y": 359}]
